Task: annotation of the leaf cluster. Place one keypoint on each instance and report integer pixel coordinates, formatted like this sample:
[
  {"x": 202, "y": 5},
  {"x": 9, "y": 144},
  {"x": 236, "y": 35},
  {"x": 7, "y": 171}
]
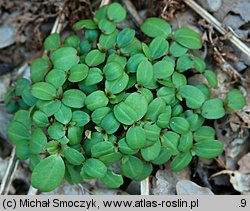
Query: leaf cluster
[{"x": 106, "y": 97}]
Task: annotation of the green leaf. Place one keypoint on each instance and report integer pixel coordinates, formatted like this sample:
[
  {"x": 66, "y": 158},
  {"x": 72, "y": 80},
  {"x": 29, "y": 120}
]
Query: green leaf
[
  {"x": 99, "y": 113},
  {"x": 75, "y": 135},
  {"x": 163, "y": 156},
  {"x": 152, "y": 132},
  {"x": 81, "y": 118},
  {"x": 122, "y": 61},
  {"x": 48, "y": 174},
  {"x": 88, "y": 24},
  {"x": 33, "y": 161},
  {"x": 151, "y": 152},
  {"x": 163, "y": 119},
  {"x": 63, "y": 115},
  {"x": 184, "y": 63},
  {"x": 72, "y": 174},
  {"x": 146, "y": 171},
  {"x": 21, "y": 84},
  {"x": 154, "y": 27},
  {"x": 125, "y": 37},
  {"x": 112, "y": 71},
  {"x": 101, "y": 13},
  {"x": 94, "y": 77},
  {"x": 195, "y": 121},
  {"x": 144, "y": 73},
  {"x": 133, "y": 48},
  {"x": 94, "y": 58},
  {"x": 91, "y": 35},
  {"x": 205, "y": 90},
  {"x": 194, "y": 97},
  {"x": 72, "y": 41},
  {"x": 155, "y": 108},
  {"x": 134, "y": 62},
  {"x": 52, "y": 147},
  {"x": 118, "y": 85},
  {"x": 40, "y": 119},
  {"x": 131, "y": 166},
  {"x": 96, "y": 100},
  {"x": 38, "y": 69},
  {"x": 179, "y": 125},
  {"x": 181, "y": 161},
  {"x": 213, "y": 109},
  {"x": 199, "y": 64},
  {"x": 125, "y": 114},
  {"x": 204, "y": 133},
  {"x": 94, "y": 168},
  {"x": 186, "y": 142},
  {"x": 211, "y": 78},
  {"x": 64, "y": 58},
  {"x": 158, "y": 47},
  {"x": 22, "y": 150},
  {"x": 111, "y": 158},
  {"x": 235, "y": 99},
  {"x": 138, "y": 103},
  {"x": 49, "y": 107},
  {"x": 23, "y": 117},
  {"x": 85, "y": 47},
  {"x": 136, "y": 137},
  {"x": 52, "y": 42},
  {"x": 106, "y": 26},
  {"x": 73, "y": 156},
  {"x": 146, "y": 51},
  {"x": 208, "y": 148},
  {"x": 163, "y": 69},
  {"x": 177, "y": 110},
  {"x": 74, "y": 98},
  {"x": 38, "y": 141},
  {"x": 167, "y": 94},
  {"x": 56, "y": 130},
  {"x": 102, "y": 148},
  {"x": 117, "y": 98},
  {"x": 147, "y": 94},
  {"x": 179, "y": 79},
  {"x": 112, "y": 180},
  {"x": 116, "y": 12},
  {"x": 107, "y": 41},
  {"x": 177, "y": 50},
  {"x": 188, "y": 38},
  {"x": 125, "y": 149},
  {"x": 56, "y": 77},
  {"x": 17, "y": 132},
  {"x": 110, "y": 124},
  {"x": 43, "y": 91},
  {"x": 170, "y": 140},
  {"x": 78, "y": 72}
]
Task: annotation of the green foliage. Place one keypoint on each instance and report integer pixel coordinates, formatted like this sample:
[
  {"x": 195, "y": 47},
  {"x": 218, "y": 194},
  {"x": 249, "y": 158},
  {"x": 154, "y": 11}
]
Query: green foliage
[{"x": 107, "y": 97}]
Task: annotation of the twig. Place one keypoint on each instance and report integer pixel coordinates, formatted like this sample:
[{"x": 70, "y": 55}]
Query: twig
[
  {"x": 145, "y": 186},
  {"x": 218, "y": 26},
  {"x": 32, "y": 191},
  {"x": 10, "y": 171},
  {"x": 133, "y": 12},
  {"x": 104, "y": 2}
]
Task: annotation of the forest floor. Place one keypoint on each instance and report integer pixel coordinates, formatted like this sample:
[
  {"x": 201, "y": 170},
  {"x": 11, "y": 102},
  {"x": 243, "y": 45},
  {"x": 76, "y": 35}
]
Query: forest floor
[{"x": 25, "y": 24}]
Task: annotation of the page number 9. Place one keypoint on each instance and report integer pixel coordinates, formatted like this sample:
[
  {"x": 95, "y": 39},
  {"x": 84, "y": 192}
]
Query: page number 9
[{"x": 243, "y": 203}]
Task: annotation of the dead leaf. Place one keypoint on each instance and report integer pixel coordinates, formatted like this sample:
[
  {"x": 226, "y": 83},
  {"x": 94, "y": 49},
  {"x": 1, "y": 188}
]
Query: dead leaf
[
  {"x": 240, "y": 182},
  {"x": 186, "y": 187},
  {"x": 166, "y": 180},
  {"x": 244, "y": 164}
]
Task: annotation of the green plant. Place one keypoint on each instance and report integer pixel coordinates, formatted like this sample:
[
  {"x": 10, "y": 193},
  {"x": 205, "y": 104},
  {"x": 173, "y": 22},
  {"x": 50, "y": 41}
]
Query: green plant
[{"x": 106, "y": 97}]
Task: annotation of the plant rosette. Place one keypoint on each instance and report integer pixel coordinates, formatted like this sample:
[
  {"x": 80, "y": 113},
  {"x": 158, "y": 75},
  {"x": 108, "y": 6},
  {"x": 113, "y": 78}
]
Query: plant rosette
[{"x": 107, "y": 97}]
